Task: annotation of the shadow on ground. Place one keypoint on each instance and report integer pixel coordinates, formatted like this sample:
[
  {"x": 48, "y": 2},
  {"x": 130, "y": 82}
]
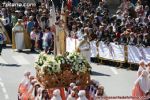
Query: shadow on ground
[
  {"x": 9, "y": 65},
  {"x": 29, "y": 52},
  {"x": 99, "y": 74}
]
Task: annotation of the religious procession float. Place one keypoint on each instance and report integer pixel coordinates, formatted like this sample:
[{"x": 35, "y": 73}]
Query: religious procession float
[{"x": 60, "y": 71}]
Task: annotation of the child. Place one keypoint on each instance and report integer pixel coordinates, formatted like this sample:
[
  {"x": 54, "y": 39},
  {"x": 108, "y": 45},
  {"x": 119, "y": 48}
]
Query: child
[
  {"x": 2, "y": 39},
  {"x": 33, "y": 39},
  {"x": 47, "y": 38}
]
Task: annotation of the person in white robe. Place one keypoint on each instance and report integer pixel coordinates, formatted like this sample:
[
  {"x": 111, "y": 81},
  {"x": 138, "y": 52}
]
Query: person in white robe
[
  {"x": 93, "y": 50},
  {"x": 71, "y": 96},
  {"x": 84, "y": 48},
  {"x": 82, "y": 95},
  {"x": 56, "y": 95},
  {"x": 141, "y": 67},
  {"x": 80, "y": 34},
  {"x": 18, "y": 33},
  {"x": 143, "y": 81}
]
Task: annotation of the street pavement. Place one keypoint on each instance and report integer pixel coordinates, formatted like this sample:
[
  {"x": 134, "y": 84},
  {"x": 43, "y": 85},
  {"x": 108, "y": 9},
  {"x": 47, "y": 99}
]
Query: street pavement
[{"x": 117, "y": 82}]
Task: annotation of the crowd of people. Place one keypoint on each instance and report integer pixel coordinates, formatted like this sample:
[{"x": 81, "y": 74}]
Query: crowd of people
[
  {"x": 31, "y": 89},
  {"x": 130, "y": 25},
  {"x": 28, "y": 27},
  {"x": 142, "y": 84}
]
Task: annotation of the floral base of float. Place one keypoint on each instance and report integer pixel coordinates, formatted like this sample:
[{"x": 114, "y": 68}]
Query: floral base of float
[{"x": 62, "y": 70}]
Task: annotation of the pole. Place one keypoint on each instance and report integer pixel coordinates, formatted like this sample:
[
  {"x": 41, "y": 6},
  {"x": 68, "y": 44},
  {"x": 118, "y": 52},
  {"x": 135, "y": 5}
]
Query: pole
[
  {"x": 126, "y": 54},
  {"x": 55, "y": 44}
]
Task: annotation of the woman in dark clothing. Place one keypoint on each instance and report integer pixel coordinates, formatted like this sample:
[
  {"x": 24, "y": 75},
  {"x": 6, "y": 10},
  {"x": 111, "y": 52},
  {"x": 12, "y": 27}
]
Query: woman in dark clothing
[{"x": 40, "y": 41}]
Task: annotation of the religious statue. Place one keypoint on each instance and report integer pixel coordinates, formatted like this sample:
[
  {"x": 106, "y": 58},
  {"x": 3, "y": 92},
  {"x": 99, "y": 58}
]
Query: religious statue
[{"x": 60, "y": 38}]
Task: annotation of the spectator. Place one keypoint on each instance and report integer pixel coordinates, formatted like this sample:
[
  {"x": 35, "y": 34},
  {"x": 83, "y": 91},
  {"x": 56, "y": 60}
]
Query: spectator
[
  {"x": 33, "y": 38},
  {"x": 132, "y": 39},
  {"x": 30, "y": 24},
  {"x": 146, "y": 40},
  {"x": 2, "y": 39},
  {"x": 43, "y": 20},
  {"x": 6, "y": 20},
  {"x": 100, "y": 32},
  {"x": 80, "y": 34},
  {"x": 40, "y": 41},
  {"x": 13, "y": 19},
  {"x": 47, "y": 38}
]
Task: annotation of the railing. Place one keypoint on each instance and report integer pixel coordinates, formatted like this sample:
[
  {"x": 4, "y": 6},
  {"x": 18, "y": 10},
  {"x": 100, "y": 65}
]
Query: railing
[{"x": 113, "y": 52}]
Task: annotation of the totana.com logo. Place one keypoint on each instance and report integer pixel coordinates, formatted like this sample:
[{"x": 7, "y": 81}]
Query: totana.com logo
[{"x": 18, "y": 4}]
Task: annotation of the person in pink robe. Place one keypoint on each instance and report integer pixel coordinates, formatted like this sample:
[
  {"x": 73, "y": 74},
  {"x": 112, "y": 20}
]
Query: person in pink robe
[
  {"x": 141, "y": 85},
  {"x": 24, "y": 82}
]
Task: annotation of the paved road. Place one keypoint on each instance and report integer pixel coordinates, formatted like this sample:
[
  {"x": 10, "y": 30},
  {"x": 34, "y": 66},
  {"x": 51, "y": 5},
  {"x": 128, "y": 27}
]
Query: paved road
[{"x": 117, "y": 82}]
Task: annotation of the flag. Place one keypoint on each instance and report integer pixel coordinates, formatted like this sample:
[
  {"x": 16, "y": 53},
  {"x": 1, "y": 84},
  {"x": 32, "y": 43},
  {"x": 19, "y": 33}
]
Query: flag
[
  {"x": 62, "y": 17},
  {"x": 53, "y": 14},
  {"x": 52, "y": 25},
  {"x": 69, "y": 4}
]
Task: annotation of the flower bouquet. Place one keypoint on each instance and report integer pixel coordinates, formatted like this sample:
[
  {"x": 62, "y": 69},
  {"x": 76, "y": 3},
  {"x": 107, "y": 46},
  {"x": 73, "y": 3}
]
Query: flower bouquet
[
  {"x": 47, "y": 70},
  {"x": 60, "y": 71},
  {"x": 80, "y": 67}
]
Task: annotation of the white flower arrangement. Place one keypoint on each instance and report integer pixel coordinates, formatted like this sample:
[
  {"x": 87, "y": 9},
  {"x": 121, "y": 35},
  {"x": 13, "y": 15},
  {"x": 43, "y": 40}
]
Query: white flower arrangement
[
  {"x": 48, "y": 64},
  {"x": 79, "y": 63},
  {"x": 62, "y": 69}
]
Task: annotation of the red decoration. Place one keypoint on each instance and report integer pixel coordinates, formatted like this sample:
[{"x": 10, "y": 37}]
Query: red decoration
[{"x": 69, "y": 5}]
